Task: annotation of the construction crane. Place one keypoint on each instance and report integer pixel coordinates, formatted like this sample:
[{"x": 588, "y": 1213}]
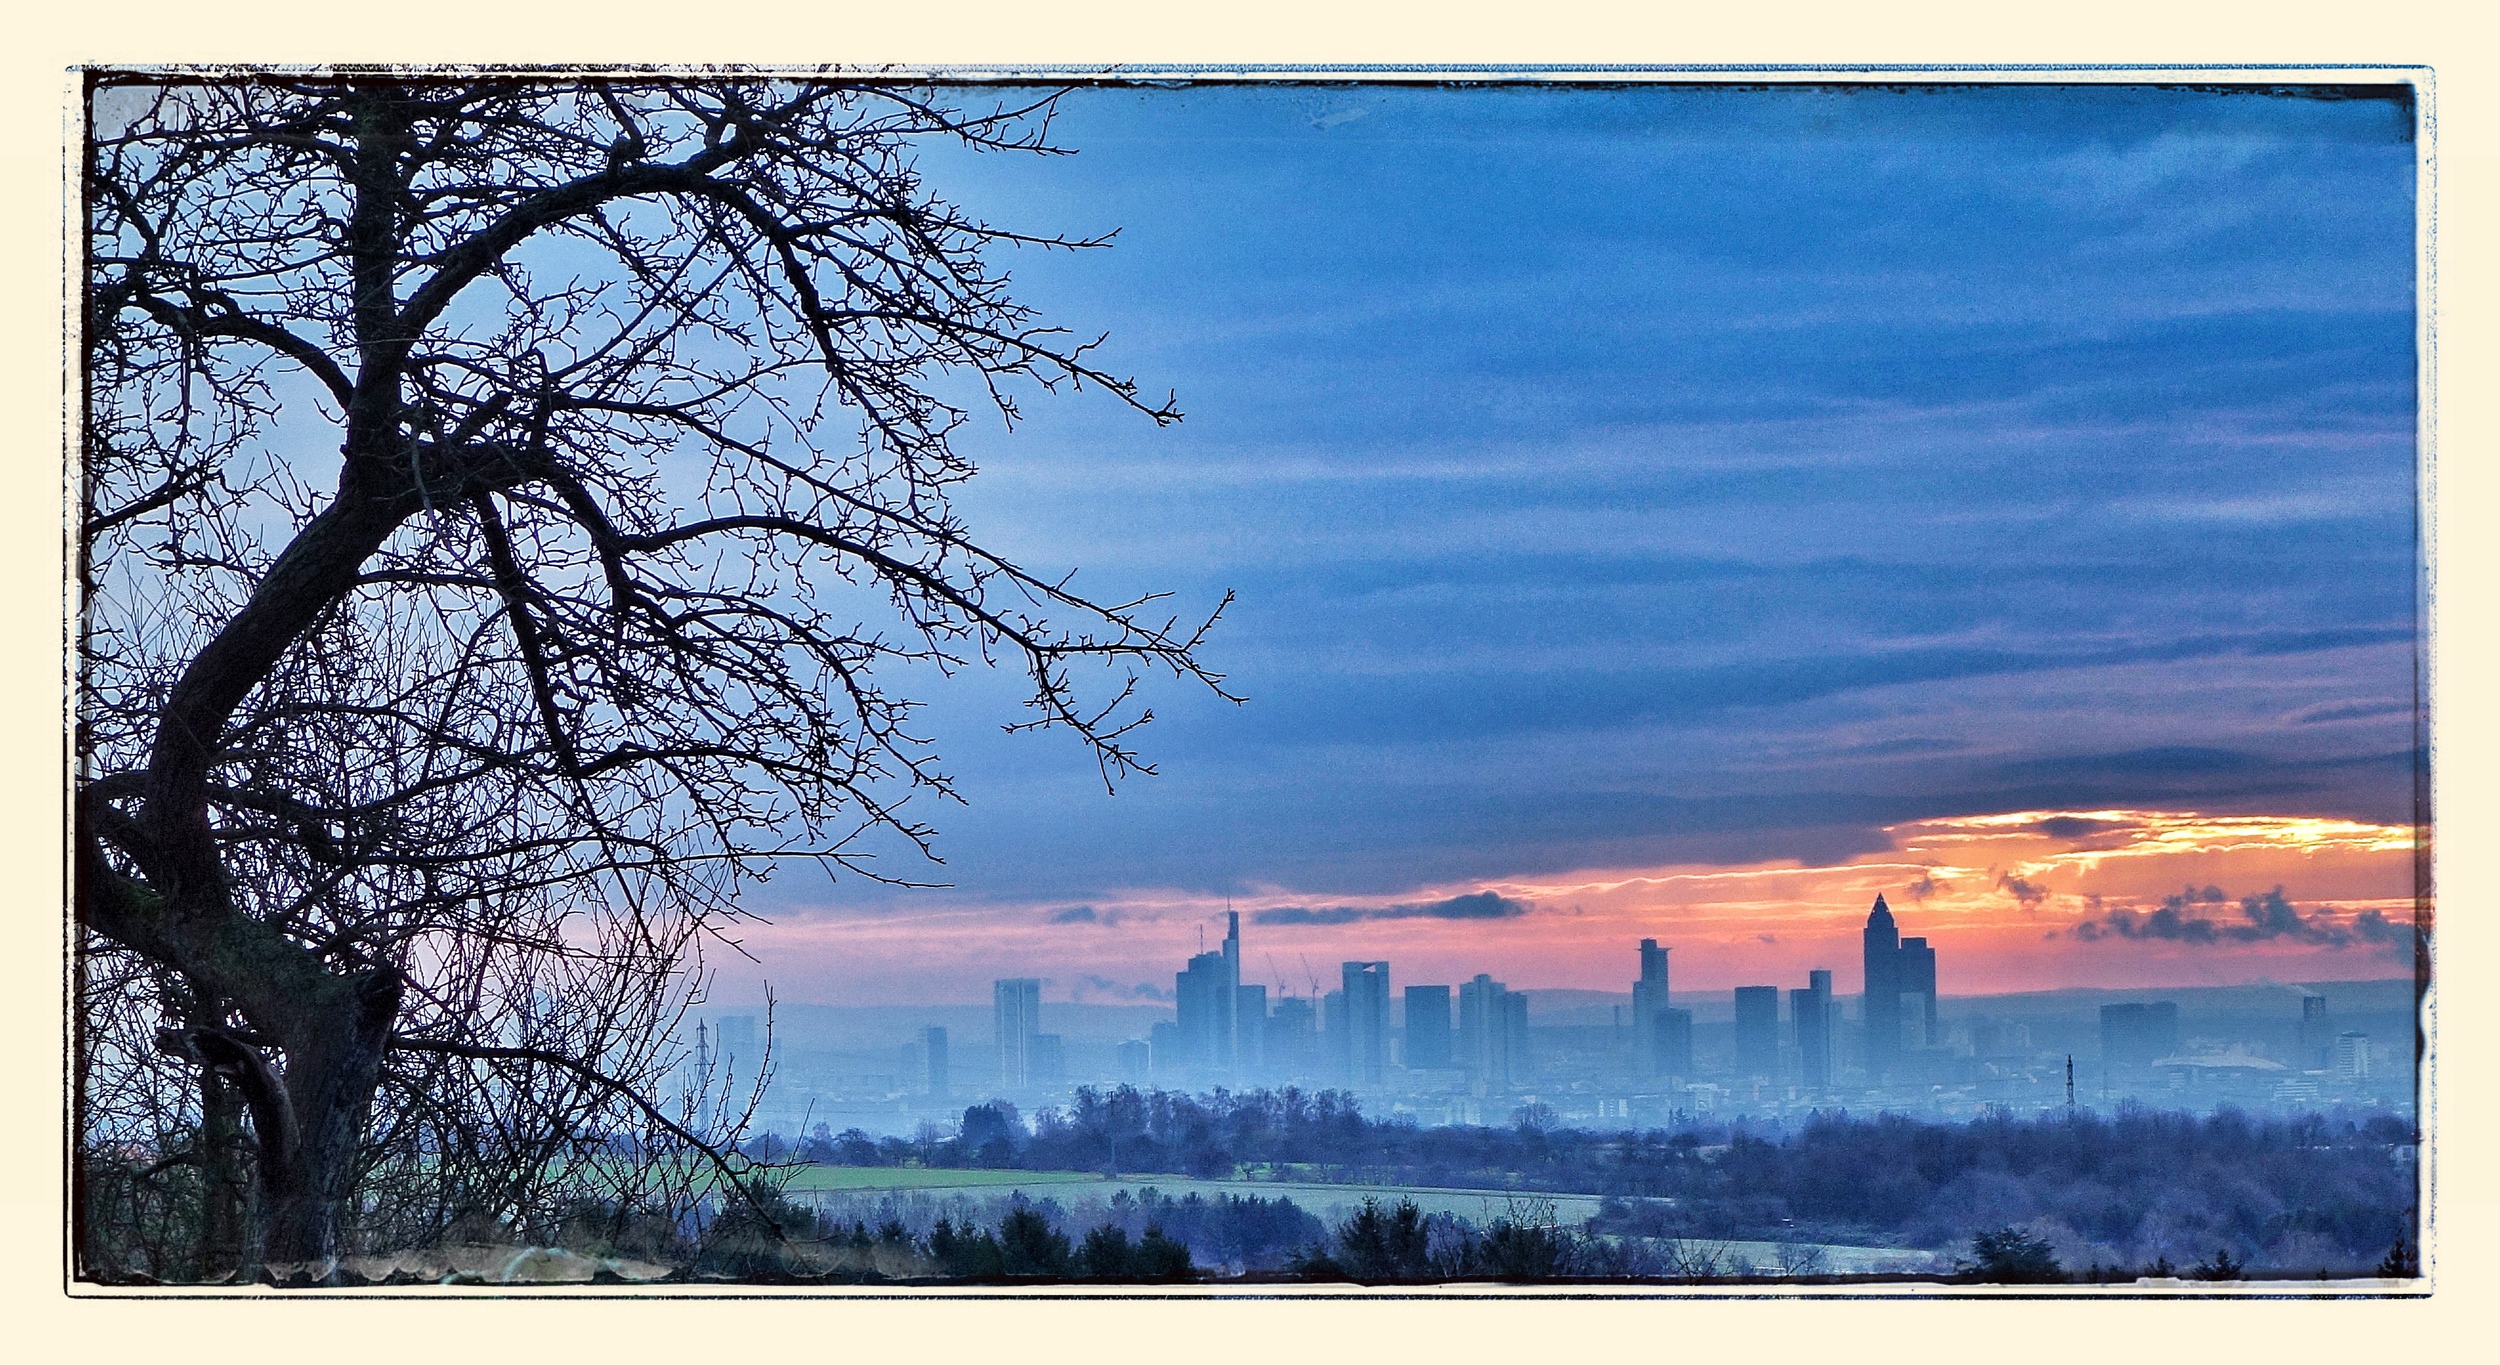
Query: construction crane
[{"x": 1306, "y": 971}]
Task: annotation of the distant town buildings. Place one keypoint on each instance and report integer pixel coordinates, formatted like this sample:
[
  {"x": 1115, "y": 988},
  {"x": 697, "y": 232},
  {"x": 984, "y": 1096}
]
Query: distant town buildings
[{"x": 1466, "y": 1053}]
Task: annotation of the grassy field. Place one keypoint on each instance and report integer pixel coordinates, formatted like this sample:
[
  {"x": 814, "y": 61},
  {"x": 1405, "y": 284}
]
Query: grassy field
[
  {"x": 1331, "y": 1202},
  {"x": 843, "y": 1179}
]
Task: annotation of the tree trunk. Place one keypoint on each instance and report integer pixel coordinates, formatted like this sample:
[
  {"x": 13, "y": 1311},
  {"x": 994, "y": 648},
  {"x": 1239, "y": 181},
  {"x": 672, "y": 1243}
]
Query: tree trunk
[
  {"x": 333, "y": 1067},
  {"x": 223, "y": 1245}
]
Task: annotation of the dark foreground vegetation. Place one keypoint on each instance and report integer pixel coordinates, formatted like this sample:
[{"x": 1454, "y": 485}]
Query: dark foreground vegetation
[
  {"x": 2137, "y": 1188},
  {"x": 2064, "y": 1198}
]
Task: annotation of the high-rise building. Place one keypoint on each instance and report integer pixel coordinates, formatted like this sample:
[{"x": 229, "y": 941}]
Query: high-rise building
[
  {"x": 1515, "y": 1038},
  {"x": 1250, "y": 1028},
  {"x": 2317, "y": 1036},
  {"x": 1428, "y": 1031},
  {"x": 1049, "y": 1060},
  {"x": 1367, "y": 1022},
  {"x": 1492, "y": 1034},
  {"x": 2352, "y": 1056},
  {"x": 1163, "y": 1051},
  {"x": 1900, "y": 1004},
  {"x": 933, "y": 1079},
  {"x": 1016, "y": 1004},
  {"x": 1817, "y": 1017},
  {"x": 2133, "y": 1037},
  {"x": 1672, "y": 1042},
  {"x": 1293, "y": 1038},
  {"x": 1335, "y": 1033},
  {"x": 1883, "y": 990},
  {"x": 734, "y": 1052},
  {"x": 1208, "y": 994},
  {"x": 1918, "y": 994},
  {"x": 1757, "y": 1031},
  {"x": 1649, "y": 997},
  {"x": 1136, "y": 1061}
]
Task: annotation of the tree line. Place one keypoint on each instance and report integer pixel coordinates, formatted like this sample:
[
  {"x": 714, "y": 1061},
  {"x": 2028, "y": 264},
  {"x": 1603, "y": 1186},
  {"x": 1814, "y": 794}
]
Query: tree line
[{"x": 2136, "y": 1187}]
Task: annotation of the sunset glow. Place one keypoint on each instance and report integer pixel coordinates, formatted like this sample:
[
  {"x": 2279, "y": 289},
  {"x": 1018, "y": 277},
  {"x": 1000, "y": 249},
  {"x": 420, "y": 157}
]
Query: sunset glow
[{"x": 2024, "y": 900}]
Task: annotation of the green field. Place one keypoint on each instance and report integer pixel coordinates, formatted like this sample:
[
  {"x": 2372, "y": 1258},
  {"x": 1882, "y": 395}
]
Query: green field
[
  {"x": 842, "y": 1179},
  {"x": 1329, "y": 1201}
]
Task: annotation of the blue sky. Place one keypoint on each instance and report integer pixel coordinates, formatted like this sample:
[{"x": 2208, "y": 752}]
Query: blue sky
[{"x": 1649, "y": 475}]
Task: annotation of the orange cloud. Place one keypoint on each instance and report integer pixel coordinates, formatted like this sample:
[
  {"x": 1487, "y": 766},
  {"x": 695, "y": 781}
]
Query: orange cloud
[{"x": 2024, "y": 900}]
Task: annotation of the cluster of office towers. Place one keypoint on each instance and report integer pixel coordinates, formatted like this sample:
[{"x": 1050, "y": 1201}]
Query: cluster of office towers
[
  {"x": 1226, "y": 1028},
  {"x": 1477, "y": 1032},
  {"x": 1899, "y": 1013}
]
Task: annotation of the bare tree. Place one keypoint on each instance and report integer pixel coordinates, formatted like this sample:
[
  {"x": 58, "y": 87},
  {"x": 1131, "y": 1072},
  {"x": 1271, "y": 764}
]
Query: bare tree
[{"x": 491, "y": 487}]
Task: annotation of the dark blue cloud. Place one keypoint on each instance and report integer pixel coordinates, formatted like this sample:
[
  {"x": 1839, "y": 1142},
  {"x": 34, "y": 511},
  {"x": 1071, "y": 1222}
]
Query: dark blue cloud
[
  {"x": 1655, "y": 473},
  {"x": 2269, "y": 915},
  {"x": 1479, "y": 905}
]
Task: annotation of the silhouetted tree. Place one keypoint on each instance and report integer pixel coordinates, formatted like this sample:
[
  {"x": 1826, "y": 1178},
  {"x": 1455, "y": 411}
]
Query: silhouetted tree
[
  {"x": 1379, "y": 1243},
  {"x": 1029, "y": 1245},
  {"x": 2401, "y": 1261},
  {"x": 2008, "y": 1255},
  {"x": 413, "y": 778},
  {"x": 2221, "y": 1266}
]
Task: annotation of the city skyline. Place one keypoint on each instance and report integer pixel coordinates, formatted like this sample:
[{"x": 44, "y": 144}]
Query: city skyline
[
  {"x": 2118, "y": 896},
  {"x": 1688, "y": 514}
]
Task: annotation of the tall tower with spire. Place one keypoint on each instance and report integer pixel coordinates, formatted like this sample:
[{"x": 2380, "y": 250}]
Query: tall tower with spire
[{"x": 1882, "y": 1009}]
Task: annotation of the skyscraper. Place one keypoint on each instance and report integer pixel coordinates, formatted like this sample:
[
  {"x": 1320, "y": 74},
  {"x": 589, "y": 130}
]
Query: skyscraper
[
  {"x": 1815, "y": 1015},
  {"x": 1649, "y": 998},
  {"x": 1918, "y": 993},
  {"x": 2317, "y": 1036},
  {"x": 1016, "y": 1004},
  {"x": 734, "y": 1053},
  {"x": 1672, "y": 1042},
  {"x": 1492, "y": 1034},
  {"x": 1208, "y": 994},
  {"x": 1249, "y": 1027},
  {"x": 1428, "y": 1033},
  {"x": 933, "y": 1078},
  {"x": 2352, "y": 1056},
  {"x": 1293, "y": 1038},
  {"x": 1367, "y": 1022},
  {"x": 1883, "y": 990},
  {"x": 1758, "y": 1031},
  {"x": 1049, "y": 1060}
]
